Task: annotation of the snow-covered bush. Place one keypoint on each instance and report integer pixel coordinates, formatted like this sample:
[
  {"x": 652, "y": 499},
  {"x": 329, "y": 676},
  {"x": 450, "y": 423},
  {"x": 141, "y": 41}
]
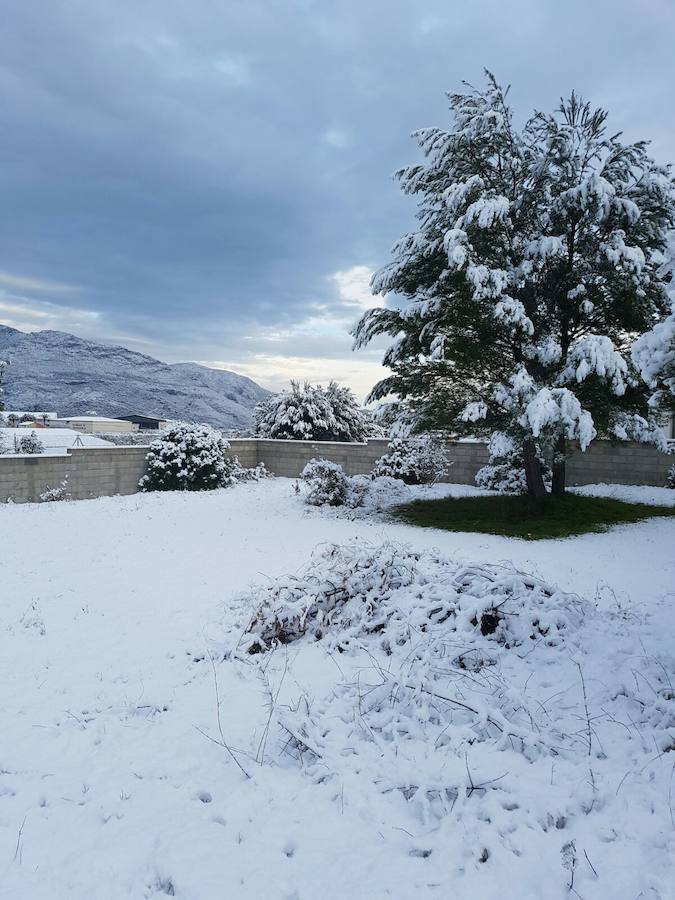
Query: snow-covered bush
[
  {"x": 670, "y": 478},
  {"x": 394, "y": 595},
  {"x": 505, "y": 471},
  {"x": 55, "y": 494},
  {"x": 28, "y": 443},
  {"x": 327, "y": 483},
  {"x": 188, "y": 457},
  {"x": 374, "y": 494},
  {"x": 240, "y": 473},
  {"x": 415, "y": 460},
  {"x": 309, "y": 412},
  {"x": 436, "y": 643}
]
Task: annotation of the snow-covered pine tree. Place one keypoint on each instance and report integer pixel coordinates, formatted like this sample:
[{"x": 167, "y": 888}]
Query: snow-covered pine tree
[
  {"x": 28, "y": 443},
  {"x": 534, "y": 266},
  {"x": 309, "y": 412}
]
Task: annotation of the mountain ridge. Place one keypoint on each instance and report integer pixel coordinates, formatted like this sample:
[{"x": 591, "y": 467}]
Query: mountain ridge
[{"x": 56, "y": 370}]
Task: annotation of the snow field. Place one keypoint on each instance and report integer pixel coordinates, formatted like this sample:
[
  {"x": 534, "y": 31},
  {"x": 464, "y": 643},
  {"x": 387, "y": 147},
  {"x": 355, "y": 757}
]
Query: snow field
[{"x": 123, "y": 619}]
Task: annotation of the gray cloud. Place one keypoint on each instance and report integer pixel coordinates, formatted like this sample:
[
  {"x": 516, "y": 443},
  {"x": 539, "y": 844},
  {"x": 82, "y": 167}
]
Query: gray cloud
[{"x": 198, "y": 172}]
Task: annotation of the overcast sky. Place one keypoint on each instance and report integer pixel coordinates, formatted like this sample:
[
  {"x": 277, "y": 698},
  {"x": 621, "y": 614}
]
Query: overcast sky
[{"x": 211, "y": 180}]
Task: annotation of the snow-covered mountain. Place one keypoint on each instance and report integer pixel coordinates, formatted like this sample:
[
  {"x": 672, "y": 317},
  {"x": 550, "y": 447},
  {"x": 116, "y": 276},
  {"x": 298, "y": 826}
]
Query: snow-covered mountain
[{"x": 58, "y": 371}]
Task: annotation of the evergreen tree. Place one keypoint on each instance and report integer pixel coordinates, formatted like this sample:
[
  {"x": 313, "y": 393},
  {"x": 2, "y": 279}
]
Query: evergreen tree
[
  {"x": 28, "y": 443},
  {"x": 309, "y": 412},
  {"x": 535, "y": 265}
]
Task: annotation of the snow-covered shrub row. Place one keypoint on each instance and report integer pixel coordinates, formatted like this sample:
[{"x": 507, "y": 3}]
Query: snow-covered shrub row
[
  {"x": 395, "y": 595},
  {"x": 415, "y": 460},
  {"x": 309, "y": 412},
  {"x": 189, "y": 457},
  {"x": 505, "y": 472},
  {"x": 328, "y": 485}
]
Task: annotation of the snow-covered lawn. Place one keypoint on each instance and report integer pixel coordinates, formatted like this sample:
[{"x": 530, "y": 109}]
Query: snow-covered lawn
[{"x": 114, "y": 781}]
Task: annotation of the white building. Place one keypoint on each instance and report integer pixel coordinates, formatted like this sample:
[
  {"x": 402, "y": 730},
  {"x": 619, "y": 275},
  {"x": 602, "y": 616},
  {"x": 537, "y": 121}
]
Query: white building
[{"x": 92, "y": 424}]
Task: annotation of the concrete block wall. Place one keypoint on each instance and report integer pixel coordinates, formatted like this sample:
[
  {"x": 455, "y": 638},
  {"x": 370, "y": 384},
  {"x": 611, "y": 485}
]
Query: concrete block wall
[
  {"x": 246, "y": 449},
  {"x": 104, "y": 471},
  {"x": 288, "y": 458},
  {"x": 24, "y": 478},
  {"x": 619, "y": 464},
  {"x": 467, "y": 457}
]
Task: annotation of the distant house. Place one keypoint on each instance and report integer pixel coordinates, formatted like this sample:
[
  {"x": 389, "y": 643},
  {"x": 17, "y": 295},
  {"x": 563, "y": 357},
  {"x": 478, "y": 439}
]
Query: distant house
[
  {"x": 93, "y": 424},
  {"x": 146, "y": 423}
]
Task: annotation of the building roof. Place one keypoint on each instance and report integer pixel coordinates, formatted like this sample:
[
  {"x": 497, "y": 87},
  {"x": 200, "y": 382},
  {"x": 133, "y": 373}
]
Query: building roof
[
  {"x": 86, "y": 419},
  {"x": 137, "y": 415},
  {"x": 54, "y": 440}
]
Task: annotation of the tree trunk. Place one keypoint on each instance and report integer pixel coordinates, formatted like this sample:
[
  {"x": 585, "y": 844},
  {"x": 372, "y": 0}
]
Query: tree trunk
[
  {"x": 533, "y": 474},
  {"x": 558, "y": 466}
]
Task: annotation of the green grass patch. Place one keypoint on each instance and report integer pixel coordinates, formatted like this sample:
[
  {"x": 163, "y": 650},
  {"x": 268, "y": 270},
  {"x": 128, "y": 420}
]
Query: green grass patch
[{"x": 522, "y": 517}]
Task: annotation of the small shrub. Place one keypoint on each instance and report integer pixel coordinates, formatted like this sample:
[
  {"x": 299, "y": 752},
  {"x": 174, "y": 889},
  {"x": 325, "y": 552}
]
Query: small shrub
[
  {"x": 414, "y": 460},
  {"x": 29, "y": 443},
  {"x": 328, "y": 485},
  {"x": 256, "y": 473},
  {"x": 376, "y": 494},
  {"x": 188, "y": 457},
  {"x": 505, "y": 472},
  {"x": 55, "y": 494},
  {"x": 670, "y": 478}
]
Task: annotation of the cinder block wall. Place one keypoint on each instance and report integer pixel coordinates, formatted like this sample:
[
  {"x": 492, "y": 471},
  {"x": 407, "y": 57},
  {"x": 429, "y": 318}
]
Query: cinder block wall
[
  {"x": 288, "y": 458},
  {"x": 24, "y": 478},
  {"x": 246, "y": 449},
  {"x": 619, "y": 464},
  {"x": 104, "y": 471}
]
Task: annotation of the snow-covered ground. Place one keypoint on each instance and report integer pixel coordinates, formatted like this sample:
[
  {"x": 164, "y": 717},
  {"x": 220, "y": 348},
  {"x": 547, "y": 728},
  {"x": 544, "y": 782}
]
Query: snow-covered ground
[{"x": 115, "y": 781}]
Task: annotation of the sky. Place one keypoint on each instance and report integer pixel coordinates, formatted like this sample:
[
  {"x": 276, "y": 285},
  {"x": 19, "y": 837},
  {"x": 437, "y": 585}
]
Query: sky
[{"x": 212, "y": 180}]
